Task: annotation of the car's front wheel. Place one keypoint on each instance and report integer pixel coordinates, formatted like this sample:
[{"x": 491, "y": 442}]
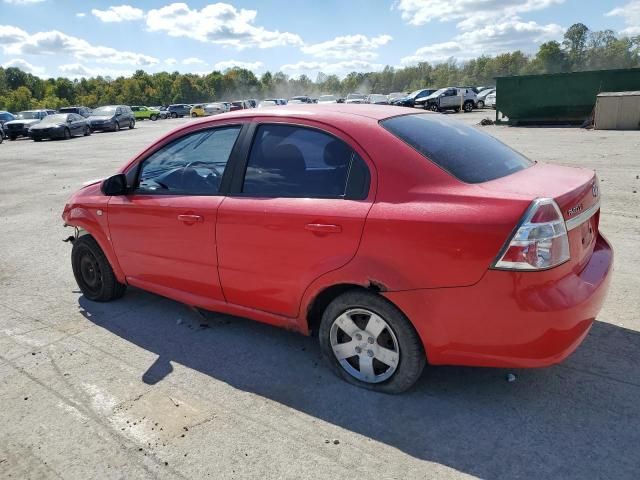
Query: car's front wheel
[
  {"x": 87, "y": 131},
  {"x": 174, "y": 115},
  {"x": 132, "y": 124},
  {"x": 93, "y": 272},
  {"x": 368, "y": 342},
  {"x": 480, "y": 104},
  {"x": 434, "y": 108},
  {"x": 116, "y": 127},
  {"x": 153, "y": 118}
]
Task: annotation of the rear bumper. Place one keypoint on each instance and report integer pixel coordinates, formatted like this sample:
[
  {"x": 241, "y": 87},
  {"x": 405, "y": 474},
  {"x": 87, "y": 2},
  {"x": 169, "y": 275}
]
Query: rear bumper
[{"x": 510, "y": 319}]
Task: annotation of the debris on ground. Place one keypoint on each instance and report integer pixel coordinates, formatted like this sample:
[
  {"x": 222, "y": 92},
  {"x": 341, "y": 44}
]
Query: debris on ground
[
  {"x": 486, "y": 121},
  {"x": 511, "y": 377}
]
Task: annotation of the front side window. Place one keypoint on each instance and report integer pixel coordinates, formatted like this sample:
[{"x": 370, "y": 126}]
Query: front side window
[
  {"x": 191, "y": 165},
  {"x": 292, "y": 161}
]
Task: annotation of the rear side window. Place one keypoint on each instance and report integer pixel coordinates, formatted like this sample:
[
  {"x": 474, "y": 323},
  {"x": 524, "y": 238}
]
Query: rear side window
[
  {"x": 292, "y": 161},
  {"x": 466, "y": 153}
]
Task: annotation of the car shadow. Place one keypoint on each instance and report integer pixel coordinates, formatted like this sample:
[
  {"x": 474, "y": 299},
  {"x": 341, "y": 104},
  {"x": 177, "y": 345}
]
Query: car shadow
[{"x": 577, "y": 420}]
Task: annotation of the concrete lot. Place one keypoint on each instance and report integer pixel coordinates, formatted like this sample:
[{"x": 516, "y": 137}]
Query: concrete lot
[{"x": 146, "y": 388}]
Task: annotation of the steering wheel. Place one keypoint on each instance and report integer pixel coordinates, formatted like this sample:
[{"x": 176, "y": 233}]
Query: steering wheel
[{"x": 213, "y": 169}]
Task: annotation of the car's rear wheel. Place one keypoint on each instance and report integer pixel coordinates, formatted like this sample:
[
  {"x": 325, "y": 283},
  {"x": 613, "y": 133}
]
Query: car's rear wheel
[
  {"x": 468, "y": 107},
  {"x": 116, "y": 127},
  {"x": 174, "y": 115},
  {"x": 87, "y": 131},
  {"x": 93, "y": 272},
  {"x": 434, "y": 108},
  {"x": 153, "y": 118},
  {"x": 480, "y": 104},
  {"x": 194, "y": 115},
  {"x": 132, "y": 124},
  {"x": 368, "y": 342}
]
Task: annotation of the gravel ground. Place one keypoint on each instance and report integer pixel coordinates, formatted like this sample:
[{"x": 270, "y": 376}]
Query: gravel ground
[{"x": 147, "y": 388}]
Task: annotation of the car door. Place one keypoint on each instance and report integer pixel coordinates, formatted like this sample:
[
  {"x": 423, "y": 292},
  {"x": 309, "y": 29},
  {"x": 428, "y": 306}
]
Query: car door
[
  {"x": 164, "y": 232},
  {"x": 295, "y": 212},
  {"x": 77, "y": 124}
]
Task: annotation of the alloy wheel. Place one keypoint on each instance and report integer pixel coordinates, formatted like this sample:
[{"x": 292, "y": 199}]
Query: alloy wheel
[{"x": 365, "y": 345}]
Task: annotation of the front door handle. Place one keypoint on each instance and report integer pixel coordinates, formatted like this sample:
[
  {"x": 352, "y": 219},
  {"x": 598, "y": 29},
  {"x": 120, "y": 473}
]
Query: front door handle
[
  {"x": 323, "y": 228},
  {"x": 190, "y": 218}
]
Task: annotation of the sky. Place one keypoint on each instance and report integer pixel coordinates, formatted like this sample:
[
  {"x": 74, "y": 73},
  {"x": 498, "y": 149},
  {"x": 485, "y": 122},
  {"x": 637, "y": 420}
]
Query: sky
[{"x": 83, "y": 38}]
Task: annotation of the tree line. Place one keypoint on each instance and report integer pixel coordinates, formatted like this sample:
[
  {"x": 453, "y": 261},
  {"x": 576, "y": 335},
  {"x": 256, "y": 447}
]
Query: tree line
[{"x": 581, "y": 49}]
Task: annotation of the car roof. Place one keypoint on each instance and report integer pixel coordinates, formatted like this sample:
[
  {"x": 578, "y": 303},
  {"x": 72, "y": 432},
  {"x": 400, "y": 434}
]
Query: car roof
[{"x": 333, "y": 111}]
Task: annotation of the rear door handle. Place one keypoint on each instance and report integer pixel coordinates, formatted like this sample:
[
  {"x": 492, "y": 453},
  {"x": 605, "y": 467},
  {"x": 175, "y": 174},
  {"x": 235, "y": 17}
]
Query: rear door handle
[
  {"x": 190, "y": 218},
  {"x": 323, "y": 228}
]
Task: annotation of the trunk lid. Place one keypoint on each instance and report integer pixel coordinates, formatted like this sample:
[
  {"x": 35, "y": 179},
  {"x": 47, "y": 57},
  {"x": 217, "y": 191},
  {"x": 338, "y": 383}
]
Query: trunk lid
[{"x": 575, "y": 190}]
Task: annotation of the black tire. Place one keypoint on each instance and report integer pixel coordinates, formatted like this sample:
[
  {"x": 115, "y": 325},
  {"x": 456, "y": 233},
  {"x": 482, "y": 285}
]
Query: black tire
[
  {"x": 93, "y": 273},
  {"x": 12, "y": 138},
  {"x": 132, "y": 124},
  {"x": 411, "y": 352},
  {"x": 457, "y": 109},
  {"x": 1, "y": 138},
  {"x": 434, "y": 108},
  {"x": 468, "y": 107},
  {"x": 174, "y": 115},
  {"x": 87, "y": 131},
  {"x": 67, "y": 134},
  {"x": 480, "y": 104},
  {"x": 37, "y": 139},
  {"x": 153, "y": 118},
  {"x": 116, "y": 127}
]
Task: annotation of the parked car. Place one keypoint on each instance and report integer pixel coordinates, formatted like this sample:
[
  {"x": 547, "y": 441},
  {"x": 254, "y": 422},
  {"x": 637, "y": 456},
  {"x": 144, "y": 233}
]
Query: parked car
[
  {"x": 301, "y": 99},
  {"x": 207, "y": 109},
  {"x": 410, "y": 99},
  {"x": 179, "y": 110},
  {"x": 421, "y": 99},
  {"x": 60, "y": 126},
  {"x": 490, "y": 100},
  {"x": 482, "y": 96},
  {"x": 495, "y": 260},
  {"x": 24, "y": 120},
  {"x": 377, "y": 99},
  {"x": 227, "y": 106},
  {"x": 2, "y": 136},
  {"x": 6, "y": 117},
  {"x": 239, "y": 105},
  {"x": 451, "y": 98},
  {"x": 141, "y": 112},
  {"x": 268, "y": 103},
  {"x": 393, "y": 96},
  {"x": 79, "y": 110},
  {"x": 112, "y": 118},
  {"x": 356, "y": 98},
  {"x": 163, "y": 112},
  {"x": 327, "y": 99}
]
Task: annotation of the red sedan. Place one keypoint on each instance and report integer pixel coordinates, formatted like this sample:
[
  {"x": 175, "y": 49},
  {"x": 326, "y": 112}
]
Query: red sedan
[{"x": 400, "y": 237}]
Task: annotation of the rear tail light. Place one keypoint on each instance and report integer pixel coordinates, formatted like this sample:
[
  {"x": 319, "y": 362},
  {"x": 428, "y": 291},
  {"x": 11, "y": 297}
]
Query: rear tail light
[{"x": 540, "y": 241}]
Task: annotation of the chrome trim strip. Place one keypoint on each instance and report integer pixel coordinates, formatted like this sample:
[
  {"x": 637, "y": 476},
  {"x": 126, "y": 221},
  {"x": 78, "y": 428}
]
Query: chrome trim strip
[{"x": 583, "y": 217}]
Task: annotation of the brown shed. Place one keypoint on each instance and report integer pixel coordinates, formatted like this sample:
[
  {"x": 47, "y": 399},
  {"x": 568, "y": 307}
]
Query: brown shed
[{"x": 617, "y": 111}]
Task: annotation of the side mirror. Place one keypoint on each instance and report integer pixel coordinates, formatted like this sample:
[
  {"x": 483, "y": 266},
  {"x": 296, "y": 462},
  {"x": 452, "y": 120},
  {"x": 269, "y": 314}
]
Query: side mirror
[{"x": 115, "y": 185}]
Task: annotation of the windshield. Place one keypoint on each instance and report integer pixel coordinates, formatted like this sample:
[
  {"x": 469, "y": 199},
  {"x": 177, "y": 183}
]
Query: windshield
[
  {"x": 355, "y": 96},
  {"x": 28, "y": 115},
  {"x": 466, "y": 153},
  {"x": 440, "y": 92},
  {"x": 109, "y": 110},
  {"x": 326, "y": 98},
  {"x": 55, "y": 118}
]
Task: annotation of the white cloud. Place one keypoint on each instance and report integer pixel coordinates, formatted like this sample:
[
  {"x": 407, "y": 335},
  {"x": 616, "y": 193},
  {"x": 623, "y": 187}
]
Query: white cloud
[
  {"x": 193, "y": 61},
  {"x": 22, "y": 2},
  {"x": 77, "y": 70},
  {"x": 170, "y": 61},
  {"x": 226, "y": 64},
  {"x": 339, "y": 68},
  {"x": 25, "y": 66},
  {"x": 15, "y": 41},
  {"x": 218, "y": 23},
  {"x": 346, "y": 47},
  {"x": 470, "y": 13},
  {"x": 630, "y": 12},
  {"x": 81, "y": 14},
  {"x": 120, "y": 13},
  {"x": 493, "y": 39}
]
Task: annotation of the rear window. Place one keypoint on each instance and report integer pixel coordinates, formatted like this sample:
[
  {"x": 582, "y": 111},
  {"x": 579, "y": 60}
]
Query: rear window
[{"x": 466, "y": 153}]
